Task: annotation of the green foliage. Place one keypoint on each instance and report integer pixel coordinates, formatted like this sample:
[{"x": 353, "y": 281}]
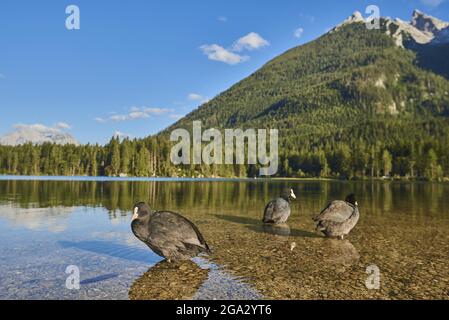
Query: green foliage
[{"x": 350, "y": 104}]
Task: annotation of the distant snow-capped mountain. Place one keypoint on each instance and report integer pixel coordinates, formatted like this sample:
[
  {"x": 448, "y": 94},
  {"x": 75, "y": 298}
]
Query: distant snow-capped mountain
[
  {"x": 37, "y": 134},
  {"x": 422, "y": 29}
]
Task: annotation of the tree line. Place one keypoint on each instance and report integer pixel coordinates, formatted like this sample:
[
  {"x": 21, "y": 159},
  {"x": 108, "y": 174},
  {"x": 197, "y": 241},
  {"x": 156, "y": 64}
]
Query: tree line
[{"x": 333, "y": 157}]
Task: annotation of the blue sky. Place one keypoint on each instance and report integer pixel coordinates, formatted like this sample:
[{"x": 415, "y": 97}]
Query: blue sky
[{"x": 135, "y": 66}]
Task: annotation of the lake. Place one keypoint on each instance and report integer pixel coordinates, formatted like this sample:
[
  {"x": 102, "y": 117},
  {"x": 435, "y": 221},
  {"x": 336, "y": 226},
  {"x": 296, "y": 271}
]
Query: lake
[{"x": 51, "y": 224}]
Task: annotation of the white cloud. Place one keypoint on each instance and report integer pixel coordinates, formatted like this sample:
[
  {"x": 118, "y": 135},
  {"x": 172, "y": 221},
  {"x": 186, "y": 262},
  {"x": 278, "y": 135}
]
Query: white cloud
[
  {"x": 99, "y": 119},
  {"x": 63, "y": 125},
  {"x": 119, "y": 117},
  {"x": 218, "y": 53},
  {"x": 194, "y": 96},
  {"x": 35, "y": 127},
  {"x": 197, "y": 97},
  {"x": 298, "y": 33},
  {"x": 58, "y": 127},
  {"x": 157, "y": 111},
  {"x": 432, "y": 3},
  {"x": 135, "y": 113},
  {"x": 251, "y": 41},
  {"x": 222, "y": 19}
]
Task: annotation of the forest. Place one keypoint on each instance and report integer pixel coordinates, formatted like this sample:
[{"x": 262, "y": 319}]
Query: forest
[
  {"x": 151, "y": 157},
  {"x": 350, "y": 104}
]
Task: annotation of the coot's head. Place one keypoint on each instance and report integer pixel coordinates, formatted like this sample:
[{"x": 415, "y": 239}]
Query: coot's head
[
  {"x": 141, "y": 209},
  {"x": 288, "y": 194},
  {"x": 351, "y": 199}
]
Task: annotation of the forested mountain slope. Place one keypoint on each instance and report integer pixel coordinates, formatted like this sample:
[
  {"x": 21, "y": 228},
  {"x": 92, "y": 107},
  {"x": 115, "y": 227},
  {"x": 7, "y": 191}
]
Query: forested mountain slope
[{"x": 352, "y": 103}]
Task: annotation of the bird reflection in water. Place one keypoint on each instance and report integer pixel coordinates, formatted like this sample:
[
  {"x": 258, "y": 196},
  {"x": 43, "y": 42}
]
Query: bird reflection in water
[
  {"x": 169, "y": 281},
  {"x": 281, "y": 229},
  {"x": 339, "y": 252}
]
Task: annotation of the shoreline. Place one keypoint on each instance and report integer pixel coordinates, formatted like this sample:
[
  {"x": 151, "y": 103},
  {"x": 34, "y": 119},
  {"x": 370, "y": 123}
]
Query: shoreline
[{"x": 203, "y": 179}]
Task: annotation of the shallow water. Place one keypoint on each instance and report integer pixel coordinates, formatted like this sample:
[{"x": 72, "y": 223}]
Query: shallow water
[{"x": 46, "y": 226}]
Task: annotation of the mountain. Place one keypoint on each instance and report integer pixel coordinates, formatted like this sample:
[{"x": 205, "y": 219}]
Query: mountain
[
  {"x": 428, "y": 37},
  {"x": 437, "y": 30},
  {"x": 422, "y": 29},
  {"x": 37, "y": 134},
  {"x": 349, "y": 72},
  {"x": 354, "y": 103},
  {"x": 354, "y": 94}
]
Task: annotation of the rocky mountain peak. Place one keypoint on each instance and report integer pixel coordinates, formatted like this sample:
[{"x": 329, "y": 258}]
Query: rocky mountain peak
[
  {"x": 354, "y": 18},
  {"x": 426, "y": 23},
  {"x": 422, "y": 29},
  {"x": 37, "y": 134}
]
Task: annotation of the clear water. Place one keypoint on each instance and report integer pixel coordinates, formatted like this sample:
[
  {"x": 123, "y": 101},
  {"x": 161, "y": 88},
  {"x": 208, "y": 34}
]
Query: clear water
[{"x": 49, "y": 224}]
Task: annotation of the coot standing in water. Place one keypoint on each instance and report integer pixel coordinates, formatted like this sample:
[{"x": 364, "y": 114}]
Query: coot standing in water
[
  {"x": 168, "y": 234},
  {"x": 338, "y": 218},
  {"x": 278, "y": 210}
]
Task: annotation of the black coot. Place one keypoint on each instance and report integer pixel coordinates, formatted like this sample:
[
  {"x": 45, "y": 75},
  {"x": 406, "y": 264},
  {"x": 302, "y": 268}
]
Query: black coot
[
  {"x": 278, "y": 210},
  {"x": 339, "y": 217},
  {"x": 168, "y": 234}
]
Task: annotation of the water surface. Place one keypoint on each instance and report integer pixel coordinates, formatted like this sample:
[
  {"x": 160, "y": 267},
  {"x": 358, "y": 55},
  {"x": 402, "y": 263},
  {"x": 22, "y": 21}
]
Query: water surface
[{"x": 47, "y": 225}]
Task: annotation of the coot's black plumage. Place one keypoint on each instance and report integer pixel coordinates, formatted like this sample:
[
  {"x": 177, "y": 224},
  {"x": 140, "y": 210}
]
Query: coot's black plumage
[
  {"x": 278, "y": 210},
  {"x": 168, "y": 234},
  {"x": 339, "y": 217}
]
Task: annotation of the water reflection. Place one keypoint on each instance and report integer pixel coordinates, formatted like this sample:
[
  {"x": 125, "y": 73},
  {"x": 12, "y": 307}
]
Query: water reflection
[
  {"x": 113, "y": 249},
  {"x": 403, "y": 229},
  {"x": 120, "y": 196},
  {"x": 197, "y": 280},
  {"x": 278, "y": 229},
  {"x": 169, "y": 281},
  {"x": 256, "y": 225},
  {"x": 339, "y": 252},
  {"x": 239, "y": 219},
  {"x": 53, "y": 219},
  {"x": 284, "y": 230}
]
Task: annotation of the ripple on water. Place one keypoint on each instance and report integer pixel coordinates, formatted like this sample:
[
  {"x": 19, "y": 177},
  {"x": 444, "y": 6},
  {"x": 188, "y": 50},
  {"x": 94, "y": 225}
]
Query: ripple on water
[{"x": 47, "y": 225}]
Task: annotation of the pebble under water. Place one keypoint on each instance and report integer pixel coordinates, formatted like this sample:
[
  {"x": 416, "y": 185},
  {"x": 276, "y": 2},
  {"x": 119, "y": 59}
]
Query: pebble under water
[{"x": 47, "y": 226}]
